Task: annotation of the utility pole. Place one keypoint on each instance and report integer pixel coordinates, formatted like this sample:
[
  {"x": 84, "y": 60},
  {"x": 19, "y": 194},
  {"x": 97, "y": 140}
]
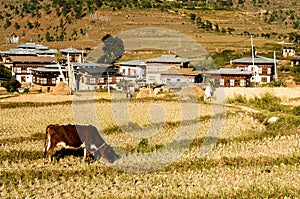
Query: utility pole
[
  {"x": 275, "y": 67},
  {"x": 108, "y": 89}
]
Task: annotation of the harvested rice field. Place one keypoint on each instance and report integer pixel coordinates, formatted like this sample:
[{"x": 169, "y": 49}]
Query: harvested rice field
[{"x": 168, "y": 149}]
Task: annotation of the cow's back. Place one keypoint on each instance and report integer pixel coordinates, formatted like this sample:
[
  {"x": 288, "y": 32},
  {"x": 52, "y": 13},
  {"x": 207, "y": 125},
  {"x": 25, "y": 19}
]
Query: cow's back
[
  {"x": 89, "y": 134},
  {"x": 69, "y": 135}
]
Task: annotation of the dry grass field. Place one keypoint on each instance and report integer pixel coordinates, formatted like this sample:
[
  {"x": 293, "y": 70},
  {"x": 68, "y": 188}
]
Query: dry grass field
[{"x": 251, "y": 159}]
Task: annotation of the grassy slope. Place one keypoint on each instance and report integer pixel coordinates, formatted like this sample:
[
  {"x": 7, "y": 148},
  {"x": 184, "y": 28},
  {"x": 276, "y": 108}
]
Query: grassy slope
[{"x": 239, "y": 20}]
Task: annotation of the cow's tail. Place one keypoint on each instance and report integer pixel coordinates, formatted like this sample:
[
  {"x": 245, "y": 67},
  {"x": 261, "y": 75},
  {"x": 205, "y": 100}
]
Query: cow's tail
[{"x": 45, "y": 145}]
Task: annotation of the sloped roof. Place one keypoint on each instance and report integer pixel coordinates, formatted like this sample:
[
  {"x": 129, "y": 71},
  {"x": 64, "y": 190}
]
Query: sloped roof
[
  {"x": 180, "y": 71},
  {"x": 168, "y": 59},
  {"x": 97, "y": 70},
  {"x": 26, "y": 52},
  {"x": 132, "y": 63},
  {"x": 72, "y": 51},
  {"x": 229, "y": 71},
  {"x": 257, "y": 60},
  {"x": 33, "y": 59},
  {"x": 18, "y": 51},
  {"x": 48, "y": 70},
  {"x": 90, "y": 64},
  {"x": 33, "y": 46}
]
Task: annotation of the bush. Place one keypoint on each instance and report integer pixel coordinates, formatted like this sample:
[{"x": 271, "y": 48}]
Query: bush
[
  {"x": 278, "y": 83},
  {"x": 12, "y": 85},
  {"x": 265, "y": 102},
  {"x": 296, "y": 110}
]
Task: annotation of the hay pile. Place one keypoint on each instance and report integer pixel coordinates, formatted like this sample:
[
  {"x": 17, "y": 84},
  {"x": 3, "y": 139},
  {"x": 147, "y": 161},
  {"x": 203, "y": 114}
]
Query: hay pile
[
  {"x": 3, "y": 91},
  {"x": 191, "y": 91},
  {"x": 145, "y": 92},
  {"x": 61, "y": 89}
]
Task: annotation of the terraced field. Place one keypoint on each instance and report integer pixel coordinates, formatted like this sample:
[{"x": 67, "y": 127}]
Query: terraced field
[{"x": 161, "y": 153}]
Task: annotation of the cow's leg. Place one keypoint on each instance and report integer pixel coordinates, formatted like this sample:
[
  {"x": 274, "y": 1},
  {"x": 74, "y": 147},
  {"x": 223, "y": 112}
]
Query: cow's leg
[
  {"x": 86, "y": 154},
  {"x": 49, "y": 149}
]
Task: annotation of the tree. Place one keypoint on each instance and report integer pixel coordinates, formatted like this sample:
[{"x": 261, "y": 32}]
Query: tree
[
  {"x": 105, "y": 37},
  {"x": 113, "y": 49},
  {"x": 12, "y": 84},
  {"x": 17, "y": 26},
  {"x": 7, "y": 23},
  {"x": 48, "y": 37},
  {"x": 192, "y": 16}
]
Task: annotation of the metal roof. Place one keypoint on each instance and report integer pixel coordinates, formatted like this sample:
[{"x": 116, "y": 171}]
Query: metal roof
[
  {"x": 229, "y": 71},
  {"x": 257, "y": 60},
  {"x": 21, "y": 51},
  {"x": 168, "y": 59},
  {"x": 132, "y": 63},
  {"x": 71, "y": 51},
  {"x": 90, "y": 64},
  {"x": 33, "y": 46},
  {"x": 18, "y": 51},
  {"x": 94, "y": 68},
  {"x": 48, "y": 70}
]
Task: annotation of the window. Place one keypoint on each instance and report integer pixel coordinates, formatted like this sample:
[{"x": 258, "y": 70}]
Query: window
[
  {"x": 53, "y": 81},
  {"x": 18, "y": 70},
  {"x": 110, "y": 79},
  {"x": 232, "y": 82},
  {"x": 152, "y": 78},
  {"x": 260, "y": 70},
  {"x": 269, "y": 70},
  {"x": 101, "y": 80},
  {"x": 264, "y": 79},
  {"x": 92, "y": 80},
  {"x": 221, "y": 82},
  {"x": 243, "y": 82},
  {"x": 28, "y": 70},
  {"x": 43, "y": 80}
]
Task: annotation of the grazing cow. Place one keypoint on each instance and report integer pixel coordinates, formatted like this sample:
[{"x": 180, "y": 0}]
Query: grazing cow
[{"x": 85, "y": 136}]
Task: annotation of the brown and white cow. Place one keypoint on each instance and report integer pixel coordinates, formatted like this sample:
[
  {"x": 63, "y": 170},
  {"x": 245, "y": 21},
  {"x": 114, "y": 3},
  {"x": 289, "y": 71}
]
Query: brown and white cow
[{"x": 85, "y": 136}]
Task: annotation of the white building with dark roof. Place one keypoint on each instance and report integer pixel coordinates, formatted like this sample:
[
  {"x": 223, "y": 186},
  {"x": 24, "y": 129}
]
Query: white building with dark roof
[
  {"x": 230, "y": 77},
  {"x": 75, "y": 55},
  {"x": 262, "y": 68},
  {"x": 134, "y": 70},
  {"x": 156, "y": 66},
  {"x": 92, "y": 76}
]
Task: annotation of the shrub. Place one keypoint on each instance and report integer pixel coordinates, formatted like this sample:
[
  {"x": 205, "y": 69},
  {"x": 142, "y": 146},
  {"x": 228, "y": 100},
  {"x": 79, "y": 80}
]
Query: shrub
[
  {"x": 296, "y": 110},
  {"x": 267, "y": 101},
  {"x": 12, "y": 85}
]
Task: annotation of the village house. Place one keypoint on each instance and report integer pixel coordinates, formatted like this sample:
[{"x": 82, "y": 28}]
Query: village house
[
  {"x": 179, "y": 77},
  {"x": 26, "y": 50},
  {"x": 75, "y": 55},
  {"x": 92, "y": 76},
  {"x": 230, "y": 77},
  {"x": 262, "y": 68},
  {"x": 295, "y": 61},
  {"x": 289, "y": 51},
  {"x": 49, "y": 75},
  {"x": 134, "y": 70},
  {"x": 156, "y": 66},
  {"x": 21, "y": 66}
]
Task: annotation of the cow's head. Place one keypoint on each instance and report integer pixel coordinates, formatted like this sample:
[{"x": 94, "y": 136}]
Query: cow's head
[{"x": 108, "y": 153}]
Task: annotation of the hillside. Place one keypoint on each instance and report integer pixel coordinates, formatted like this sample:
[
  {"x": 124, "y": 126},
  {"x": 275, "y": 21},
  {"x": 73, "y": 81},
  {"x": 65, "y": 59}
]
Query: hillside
[{"x": 216, "y": 25}]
